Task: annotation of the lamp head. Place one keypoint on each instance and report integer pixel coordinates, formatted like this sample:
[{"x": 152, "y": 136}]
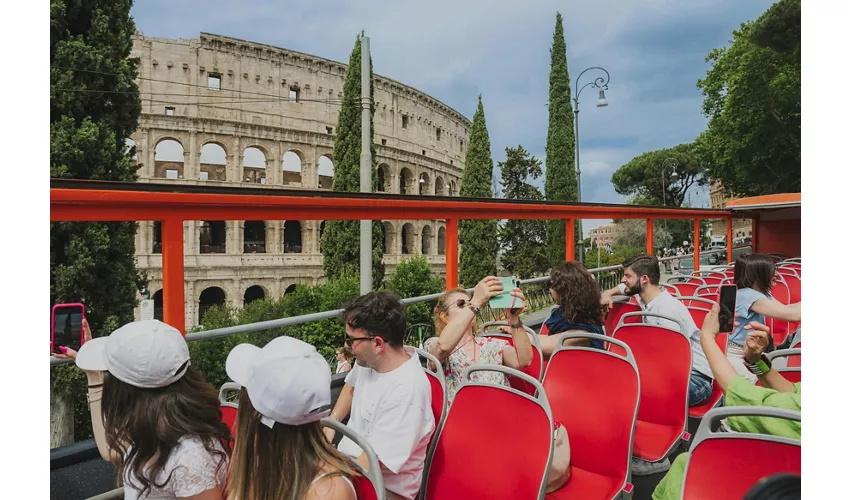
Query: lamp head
[{"x": 602, "y": 102}]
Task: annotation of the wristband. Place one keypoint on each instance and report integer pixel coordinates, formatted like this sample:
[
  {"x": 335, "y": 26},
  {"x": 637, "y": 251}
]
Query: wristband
[
  {"x": 476, "y": 310},
  {"x": 518, "y": 324},
  {"x": 760, "y": 367}
]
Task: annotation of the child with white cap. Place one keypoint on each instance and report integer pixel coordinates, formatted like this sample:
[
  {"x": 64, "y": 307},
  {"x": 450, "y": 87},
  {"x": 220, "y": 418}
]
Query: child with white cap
[
  {"x": 153, "y": 414},
  {"x": 280, "y": 449}
]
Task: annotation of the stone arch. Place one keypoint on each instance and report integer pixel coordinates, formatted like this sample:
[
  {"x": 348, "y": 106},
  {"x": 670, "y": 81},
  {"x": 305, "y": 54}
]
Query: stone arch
[
  {"x": 405, "y": 181},
  {"x": 441, "y": 241},
  {"x": 292, "y": 236},
  {"x": 326, "y": 171},
  {"x": 254, "y": 160},
  {"x": 390, "y": 236},
  {"x": 210, "y": 296},
  {"x": 408, "y": 245},
  {"x": 212, "y": 236},
  {"x": 427, "y": 237},
  {"x": 384, "y": 175},
  {"x": 453, "y": 188},
  {"x": 290, "y": 288},
  {"x": 292, "y": 163},
  {"x": 157, "y": 304},
  {"x": 156, "y": 237},
  {"x": 439, "y": 186},
  {"x": 424, "y": 184},
  {"x": 213, "y": 162},
  {"x": 254, "y": 236},
  {"x": 254, "y": 292},
  {"x": 321, "y": 232},
  {"x": 168, "y": 159}
]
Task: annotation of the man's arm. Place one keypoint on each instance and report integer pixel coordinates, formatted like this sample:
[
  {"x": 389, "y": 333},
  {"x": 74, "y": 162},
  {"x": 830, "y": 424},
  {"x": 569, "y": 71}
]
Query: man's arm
[
  {"x": 608, "y": 295},
  {"x": 341, "y": 409},
  {"x": 722, "y": 369}
]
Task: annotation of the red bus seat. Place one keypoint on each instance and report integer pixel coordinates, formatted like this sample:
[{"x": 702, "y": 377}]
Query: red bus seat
[
  {"x": 439, "y": 398},
  {"x": 600, "y": 429},
  {"x": 698, "y": 302},
  {"x": 466, "y": 466},
  {"x": 535, "y": 369},
  {"x": 616, "y": 311},
  {"x": 370, "y": 485},
  {"x": 664, "y": 362},
  {"x": 726, "y": 465}
]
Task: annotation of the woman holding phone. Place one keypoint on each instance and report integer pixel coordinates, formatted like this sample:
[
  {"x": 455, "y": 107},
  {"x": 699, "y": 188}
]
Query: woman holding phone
[
  {"x": 153, "y": 415},
  {"x": 755, "y": 275},
  {"x": 457, "y": 346}
]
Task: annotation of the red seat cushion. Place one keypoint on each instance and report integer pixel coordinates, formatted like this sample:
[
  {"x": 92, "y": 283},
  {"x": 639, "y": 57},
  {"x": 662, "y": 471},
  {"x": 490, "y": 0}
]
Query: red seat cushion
[
  {"x": 586, "y": 484},
  {"x": 363, "y": 487},
  {"x": 699, "y": 411},
  {"x": 652, "y": 441}
]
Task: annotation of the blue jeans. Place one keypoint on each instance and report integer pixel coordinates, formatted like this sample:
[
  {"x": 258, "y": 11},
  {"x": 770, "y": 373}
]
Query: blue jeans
[{"x": 699, "y": 389}]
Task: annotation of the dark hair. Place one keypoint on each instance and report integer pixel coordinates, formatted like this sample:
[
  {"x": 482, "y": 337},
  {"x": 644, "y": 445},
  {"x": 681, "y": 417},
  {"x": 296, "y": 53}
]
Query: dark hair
[
  {"x": 380, "y": 314},
  {"x": 578, "y": 293},
  {"x": 141, "y": 424},
  {"x": 754, "y": 270},
  {"x": 645, "y": 264},
  {"x": 776, "y": 487},
  {"x": 280, "y": 462}
]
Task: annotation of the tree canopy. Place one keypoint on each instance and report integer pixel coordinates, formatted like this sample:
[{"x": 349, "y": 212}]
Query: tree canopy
[
  {"x": 752, "y": 99},
  {"x": 641, "y": 177}
]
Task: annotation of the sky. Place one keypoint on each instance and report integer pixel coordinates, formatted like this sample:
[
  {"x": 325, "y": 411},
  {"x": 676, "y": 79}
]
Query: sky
[{"x": 654, "y": 51}]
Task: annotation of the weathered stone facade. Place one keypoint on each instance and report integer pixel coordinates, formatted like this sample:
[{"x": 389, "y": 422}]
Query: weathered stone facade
[{"x": 224, "y": 103}]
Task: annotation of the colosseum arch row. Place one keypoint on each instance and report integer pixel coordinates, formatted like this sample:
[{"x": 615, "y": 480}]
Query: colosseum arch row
[{"x": 286, "y": 237}]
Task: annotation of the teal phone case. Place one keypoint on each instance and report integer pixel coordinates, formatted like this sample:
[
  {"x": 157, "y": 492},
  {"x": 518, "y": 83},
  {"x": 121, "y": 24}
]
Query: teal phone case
[{"x": 506, "y": 300}]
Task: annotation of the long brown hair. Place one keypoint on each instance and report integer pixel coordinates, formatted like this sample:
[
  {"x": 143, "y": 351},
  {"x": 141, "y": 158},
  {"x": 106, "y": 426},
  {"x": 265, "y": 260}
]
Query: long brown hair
[
  {"x": 756, "y": 271},
  {"x": 443, "y": 306},
  {"x": 578, "y": 293},
  {"x": 280, "y": 462},
  {"x": 143, "y": 426}
]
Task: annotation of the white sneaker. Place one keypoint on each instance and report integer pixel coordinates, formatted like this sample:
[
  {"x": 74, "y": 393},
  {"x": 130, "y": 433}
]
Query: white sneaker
[{"x": 644, "y": 468}]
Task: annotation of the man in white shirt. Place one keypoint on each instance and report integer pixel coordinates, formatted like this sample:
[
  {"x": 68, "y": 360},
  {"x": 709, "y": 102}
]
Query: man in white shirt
[
  {"x": 387, "y": 394},
  {"x": 640, "y": 277}
]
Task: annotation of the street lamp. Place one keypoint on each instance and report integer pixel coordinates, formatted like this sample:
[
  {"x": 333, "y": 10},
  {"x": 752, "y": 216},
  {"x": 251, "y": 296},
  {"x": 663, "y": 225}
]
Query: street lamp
[
  {"x": 668, "y": 163},
  {"x": 600, "y": 83}
]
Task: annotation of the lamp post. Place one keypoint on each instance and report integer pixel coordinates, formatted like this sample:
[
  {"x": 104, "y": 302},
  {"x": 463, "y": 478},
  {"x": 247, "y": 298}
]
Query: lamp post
[
  {"x": 668, "y": 163},
  {"x": 600, "y": 83}
]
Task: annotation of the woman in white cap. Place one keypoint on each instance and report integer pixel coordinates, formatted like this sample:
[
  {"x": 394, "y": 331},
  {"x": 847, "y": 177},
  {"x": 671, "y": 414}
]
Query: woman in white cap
[
  {"x": 153, "y": 415},
  {"x": 281, "y": 451}
]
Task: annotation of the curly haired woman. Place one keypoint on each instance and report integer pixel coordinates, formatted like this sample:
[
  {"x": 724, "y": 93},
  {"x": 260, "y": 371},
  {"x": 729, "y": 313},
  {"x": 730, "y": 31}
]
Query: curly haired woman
[{"x": 576, "y": 295}]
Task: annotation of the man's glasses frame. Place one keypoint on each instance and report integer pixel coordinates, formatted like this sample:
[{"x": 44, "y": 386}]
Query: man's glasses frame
[{"x": 349, "y": 341}]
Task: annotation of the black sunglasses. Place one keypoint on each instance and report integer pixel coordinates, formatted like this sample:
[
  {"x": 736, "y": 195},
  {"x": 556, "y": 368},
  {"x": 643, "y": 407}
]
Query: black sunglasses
[
  {"x": 349, "y": 341},
  {"x": 461, "y": 303}
]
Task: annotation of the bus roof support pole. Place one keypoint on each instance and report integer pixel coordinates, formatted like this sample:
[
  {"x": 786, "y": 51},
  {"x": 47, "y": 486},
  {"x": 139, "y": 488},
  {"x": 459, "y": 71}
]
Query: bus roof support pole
[
  {"x": 451, "y": 254},
  {"x": 754, "y": 243},
  {"x": 696, "y": 245},
  {"x": 173, "y": 294},
  {"x": 365, "y": 164},
  {"x": 729, "y": 223},
  {"x": 571, "y": 240},
  {"x": 650, "y": 237}
]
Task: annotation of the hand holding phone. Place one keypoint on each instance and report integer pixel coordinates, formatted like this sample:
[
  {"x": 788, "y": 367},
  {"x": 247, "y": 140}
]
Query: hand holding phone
[
  {"x": 66, "y": 327},
  {"x": 726, "y": 318},
  {"x": 506, "y": 300}
]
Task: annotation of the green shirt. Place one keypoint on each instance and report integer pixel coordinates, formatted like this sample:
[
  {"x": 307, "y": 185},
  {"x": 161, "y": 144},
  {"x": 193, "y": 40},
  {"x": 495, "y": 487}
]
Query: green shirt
[{"x": 740, "y": 392}]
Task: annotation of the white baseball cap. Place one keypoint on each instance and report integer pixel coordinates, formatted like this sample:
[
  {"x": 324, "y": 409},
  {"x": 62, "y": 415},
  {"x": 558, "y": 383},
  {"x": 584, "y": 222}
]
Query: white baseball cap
[
  {"x": 146, "y": 354},
  {"x": 288, "y": 381}
]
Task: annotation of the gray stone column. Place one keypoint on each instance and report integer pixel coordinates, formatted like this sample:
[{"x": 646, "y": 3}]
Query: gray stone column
[{"x": 192, "y": 169}]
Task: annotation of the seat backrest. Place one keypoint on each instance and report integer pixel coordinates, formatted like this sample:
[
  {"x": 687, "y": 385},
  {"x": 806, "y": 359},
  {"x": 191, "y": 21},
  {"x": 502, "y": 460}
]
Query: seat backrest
[
  {"x": 700, "y": 302},
  {"x": 725, "y": 465},
  {"x": 439, "y": 398},
  {"x": 712, "y": 279},
  {"x": 228, "y": 416},
  {"x": 601, "y": 429},
  {"x": 670, "y": 288},
  {"x": 616, "y": 311},
  {"x": 544, "y": 328},
  {"x": 685, "y": 278},
  {"x": 535, "y": 369},
  {"x": 687, "y": 289},
  {"x": 369, "y": 486},
  {"x": 663, "y": 359},
  {"x": 794, "y": 287},
  {"x": 474, "y": 464},
  {"x": 708, "y": 290},
  {"x": 785, "y": 358}
]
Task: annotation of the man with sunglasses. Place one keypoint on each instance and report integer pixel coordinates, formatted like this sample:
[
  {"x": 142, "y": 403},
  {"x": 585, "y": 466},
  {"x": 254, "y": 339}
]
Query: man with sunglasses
[{"x": 387, "y": 394}]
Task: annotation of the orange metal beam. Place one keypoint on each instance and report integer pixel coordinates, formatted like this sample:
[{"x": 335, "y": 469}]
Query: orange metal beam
[
  {"x": 696, "y": 244},
  {"x": 650, "y": 237},
  {"x": 729, "y": 241},
  {"x": 754, "y": 243},
  {"x": 451, "y": 253},
  {"x": 571, "y": 239},
  {"x": 173, "y": 280}
]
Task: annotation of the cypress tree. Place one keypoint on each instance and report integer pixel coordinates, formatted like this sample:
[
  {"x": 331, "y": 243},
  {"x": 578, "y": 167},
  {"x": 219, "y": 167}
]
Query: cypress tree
[
  {"x": 560, "y": 182},
  {"x": 94, "y": 107},
  {"x": 478, "y": 238},
  {"x": 341, "y": 239}
]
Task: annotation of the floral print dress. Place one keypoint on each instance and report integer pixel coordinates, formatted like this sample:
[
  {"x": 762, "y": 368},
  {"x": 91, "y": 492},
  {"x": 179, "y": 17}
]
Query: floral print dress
[{"x": 488, "y": 351}]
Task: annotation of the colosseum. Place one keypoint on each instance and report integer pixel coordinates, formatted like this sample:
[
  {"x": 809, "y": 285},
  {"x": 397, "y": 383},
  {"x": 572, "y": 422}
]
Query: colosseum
[{"x": 222, "y": 111}]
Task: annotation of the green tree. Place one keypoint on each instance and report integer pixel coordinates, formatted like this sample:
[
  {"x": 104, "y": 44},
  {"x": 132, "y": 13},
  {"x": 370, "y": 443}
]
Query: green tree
[
  {"x": 478, "y": 243},
  {"x": 661, "y": 177},
  {"x": 94, "y": 107},
  {"x": 340, "y": 239},
  {"x": 523, "y": 241},
  {"x": 413, "y": 278},
  {"x": 560, "y": 183},
  {"x": 752, "y": 99}
]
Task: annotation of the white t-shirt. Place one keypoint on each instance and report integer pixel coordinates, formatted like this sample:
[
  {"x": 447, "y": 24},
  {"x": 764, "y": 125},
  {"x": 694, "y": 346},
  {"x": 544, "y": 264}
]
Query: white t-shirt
[
  {"x": 392, "y": 411},
  {"x": 668, "y": 305},
  {"x": 195, "y": 471}
]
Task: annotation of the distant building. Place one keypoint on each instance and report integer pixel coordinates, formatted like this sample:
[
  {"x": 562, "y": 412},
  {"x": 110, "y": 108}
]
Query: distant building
[
  {"x": 604, "y": 236},
  {"x": 741, "y": 228}
]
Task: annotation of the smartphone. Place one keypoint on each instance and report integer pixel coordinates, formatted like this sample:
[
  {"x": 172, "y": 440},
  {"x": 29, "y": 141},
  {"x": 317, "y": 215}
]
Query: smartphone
[
  {"x": 66, "y": 327},
  {"x": 505, "y": 300},
  {"x": 728, "y": 294}
]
